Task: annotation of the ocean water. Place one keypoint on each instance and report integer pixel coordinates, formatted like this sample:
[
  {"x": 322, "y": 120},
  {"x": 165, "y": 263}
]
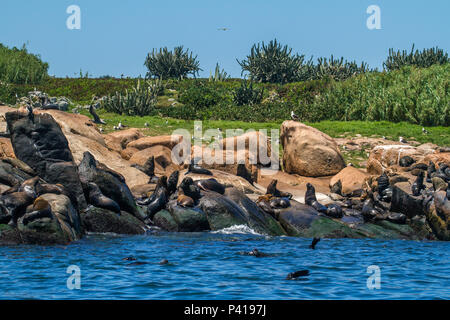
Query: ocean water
[{"x": 211, "y": 265}]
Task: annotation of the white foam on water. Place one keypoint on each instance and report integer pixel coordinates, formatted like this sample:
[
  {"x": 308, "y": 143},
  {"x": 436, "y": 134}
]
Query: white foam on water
[{"x": 237, "y": 229}]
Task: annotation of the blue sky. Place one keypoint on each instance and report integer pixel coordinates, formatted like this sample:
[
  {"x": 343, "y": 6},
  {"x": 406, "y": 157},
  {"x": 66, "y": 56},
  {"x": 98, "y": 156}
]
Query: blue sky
[{"x": 116, "y": 36}]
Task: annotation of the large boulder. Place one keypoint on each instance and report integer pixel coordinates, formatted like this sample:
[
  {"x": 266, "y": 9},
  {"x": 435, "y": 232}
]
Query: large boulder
[
  {"x": 258, "y": 220},
  {"x": 6, "y": 149},
  {"x": 308, "y": 151},
  {"x": 221, "y": 211},
  {"x": 124, "y": 137},
  {"x": 163, "y": 159},
  {"x": 168, "y": 141},
  {"x": 102, "y": 221},
  {"x": 40, "y": 143},
  {"x": 188, "y": 219},
  {"x": 351, "y": 179}
]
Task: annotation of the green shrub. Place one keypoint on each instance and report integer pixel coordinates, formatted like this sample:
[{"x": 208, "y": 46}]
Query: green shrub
[
  {"x": 139, "y": 101},
  {"x": 20, "y": 67},
  {"x": 166, "y": 64},
  {"x": 218, "y": 75},
  {"x": 337, "y": 69},
  {"x": 202, "y": 95},
  {"x": 423, "y": 59},
  {"x": 272, "y": 63},
  {"x": 246, "y": 94}
]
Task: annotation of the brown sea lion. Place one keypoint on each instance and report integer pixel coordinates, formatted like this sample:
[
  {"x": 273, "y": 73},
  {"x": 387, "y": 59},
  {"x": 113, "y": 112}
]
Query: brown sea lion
[
  {"x": 41, "y": 209},
  {"x": 172, "y": 182},
  {"x": 190, "y": 189},
  {"x": 311, "y": 200},
  {"x": 159, "y": 198},
  {"x": 272, "y": 189},
  {"x": 244, "y": 173},
  {"x": 149, "y": 169},
  {"x": 97, "y": 199},
  {"x": 13, "y": 205},
  {"x": 210, "y": 185},
  {"x": 183, "y": 200},
  {"x": 195, "y": 168}
]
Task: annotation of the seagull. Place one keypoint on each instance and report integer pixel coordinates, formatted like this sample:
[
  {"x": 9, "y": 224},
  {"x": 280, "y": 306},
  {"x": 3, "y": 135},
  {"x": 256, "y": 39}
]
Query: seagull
[
  {"x": 294, "y": 116},
  {"x": 197, "y": 128},
  {"x": 384, "y": 138},
  {"x": 424, "y": 131},
  {"x": 167, "y": 121},
  {"x": 115, "y": 128},
  {"x": 146, "y": 124},
  {"x": 223, "y": 29},
  {"x": 120, "y": 125},
  {"x": 101, "y": 130},
  {"x": 400, "y": 139}
]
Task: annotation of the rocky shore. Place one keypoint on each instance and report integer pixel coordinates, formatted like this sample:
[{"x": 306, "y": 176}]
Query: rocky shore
[{"x": 61, "y": 178}]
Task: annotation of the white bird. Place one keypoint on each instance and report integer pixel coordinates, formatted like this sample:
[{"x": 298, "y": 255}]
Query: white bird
[
  {"x": 424, "y": 131},
  {"x": 120, "y": 125},
  {"x": 115, "y": 128},
  {"x": 101, "y": 130},
  {"x": 400, "y": 139},
  {"x": 146, "y": 124},
  {"x": 294, "y": 116},
  {"x": 384, "y": 137},
  {"x": 167, "y": 121},
  {"x": 197, "y": 128}
]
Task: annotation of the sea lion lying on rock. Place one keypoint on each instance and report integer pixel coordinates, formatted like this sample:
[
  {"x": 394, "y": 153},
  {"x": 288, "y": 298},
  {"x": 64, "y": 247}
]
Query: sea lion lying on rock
[
  {"x": 13, "y": 205},
  {"x": 332, "y": 210},
  {"x": 210, "y": 185}
]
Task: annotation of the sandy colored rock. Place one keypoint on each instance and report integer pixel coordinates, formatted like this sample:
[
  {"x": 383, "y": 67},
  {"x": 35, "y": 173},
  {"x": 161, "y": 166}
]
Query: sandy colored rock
[
  {"x": 168, "y": 141},
  {"x": 255, "y": 141},
  {"x": 308, "y": 151},
  {"x": 352, "y": 179},
  {"x": 163, "y": 159},
  {"x": 437, "y": 158},
  {"x": 79, "y": 144},
  {"x": 124, "y": 137},
  {"x": 127, "y": 153},
  {"x": 113, "y": 143},
  {"x": 142, "y": 190},
  {"x": 6, "y": 149},
  {"x": 382, "y": 157}
]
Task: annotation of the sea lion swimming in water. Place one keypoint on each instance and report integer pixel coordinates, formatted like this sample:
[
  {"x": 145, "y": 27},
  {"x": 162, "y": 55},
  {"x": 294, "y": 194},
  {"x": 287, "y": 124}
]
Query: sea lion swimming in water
[
  {"x": 314, "y": 242},
  {"x": 210, "y": 185},
  {"x": 418, "y": 185},
  {"x": 190, "y": 189},
  {"x": 272, "y": 189},
  {"x": 97, "y": 199},
  {"x": 256, "y": 253},
  {"x": 297, "y": 274},
  {"x": 195, "y": 168},
  {"x": 311, "y": 200}
]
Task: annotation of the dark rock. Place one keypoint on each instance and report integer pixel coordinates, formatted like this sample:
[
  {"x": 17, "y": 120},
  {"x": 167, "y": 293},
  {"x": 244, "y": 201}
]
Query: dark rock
[
  {"x": 404, "y": 202},
  {"x": 396, "y": 217},
  {"x": 188, "y": 219},
  {"x": 406, "y": 161},
  {"x": 41, "y": 144},
  {"x": 102, "y": 220}
]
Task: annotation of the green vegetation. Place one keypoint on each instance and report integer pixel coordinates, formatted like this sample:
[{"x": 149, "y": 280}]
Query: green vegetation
[
  {"x": 274, "y": 63},
  {"x": 139, "y": 101},
  {"x": 423, "y": 59},
  {"x": 166, "y": 64},
  {"x": 246, "y": 94},
  {"x": 21, "y": 67},
  {"x": 219, "y": 75}
]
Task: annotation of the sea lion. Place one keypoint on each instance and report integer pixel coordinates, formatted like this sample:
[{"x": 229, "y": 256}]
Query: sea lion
[
  {"x": 256, "y": 253},
  {"x": 148, "y": 168},
  {"x": 418, "y": 185},
  {"x": 442, "y": 204},
  {"x": 337, "y": 188},
  {"x": 159, "y": 198},
  {"x": 430, "y": 170},
  {"x": 368, "y": 211},
  {"x": 334, "y": 210},
  {"x": 195, "y": 168},
  {"x": 172, "y": 182},
  {"x": 97, "y": 199},
  {"x": 311, "y": 200},
  {"x": 272, "y": 189},
  {"x": 210, "y": 185},
  {"x": 277, "y": 203},
  {"x": 190, "y": 189},
  {"x": 13, "y": 205},
  {"x": 244, "y": 173},
  {"x": 418, "y": 166},
  {"x": 297, "y": 274},
  {"x": 41, "y": 209},
  {"x": 163, "y": 262},
  {"x": 183, "y": 200},
  {"x": 264, "y": 203},
  {"x": 406, "y": 161},
  {"x": 314, "y": 242},
  {"x": 384, "y": 188}
]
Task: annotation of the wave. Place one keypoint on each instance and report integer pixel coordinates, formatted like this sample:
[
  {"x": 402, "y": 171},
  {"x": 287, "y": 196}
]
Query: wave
[{"x": 238, "y": 229}]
